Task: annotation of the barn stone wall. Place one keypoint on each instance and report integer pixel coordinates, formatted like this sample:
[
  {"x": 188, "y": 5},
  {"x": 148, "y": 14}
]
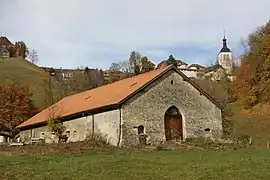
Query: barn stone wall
[{"x": 104, "y": 125}]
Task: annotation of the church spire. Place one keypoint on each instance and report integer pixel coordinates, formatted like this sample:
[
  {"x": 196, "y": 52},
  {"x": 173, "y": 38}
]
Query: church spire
[
  {"x": 224, "y": 40},
  {"x": 224, "y": 47}
]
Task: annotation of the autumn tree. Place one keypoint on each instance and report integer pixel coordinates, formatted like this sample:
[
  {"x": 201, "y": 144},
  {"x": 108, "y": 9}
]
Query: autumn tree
[
  {"x": 146, "y": 65},
  {"x": 15, "y": 104},
  {"x": 33, "y": 56},
  {"x": 252, "y": 83}
]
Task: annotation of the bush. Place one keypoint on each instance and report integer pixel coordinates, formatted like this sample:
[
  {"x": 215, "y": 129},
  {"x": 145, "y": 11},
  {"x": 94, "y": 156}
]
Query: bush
[
  {"x": 55, "y": 125},
  {"x": 227, "y": 123},
  {"x": 243, "y": 140}
]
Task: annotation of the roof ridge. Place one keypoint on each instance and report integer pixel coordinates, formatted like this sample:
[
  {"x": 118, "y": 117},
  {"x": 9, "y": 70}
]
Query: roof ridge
[{"x": 119, "y": 81}]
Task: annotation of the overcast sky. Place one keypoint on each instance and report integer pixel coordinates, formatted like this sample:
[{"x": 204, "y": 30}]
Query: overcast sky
[{"x": 95, "y": 33}]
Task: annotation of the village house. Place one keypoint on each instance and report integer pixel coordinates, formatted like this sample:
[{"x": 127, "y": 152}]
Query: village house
[
  {"x": 162, "y": 105},
  {"x": 7, "y": 49}
]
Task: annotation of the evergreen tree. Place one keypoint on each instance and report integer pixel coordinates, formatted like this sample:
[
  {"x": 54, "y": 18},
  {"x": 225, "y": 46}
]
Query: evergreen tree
[
  {"x": 135, "y": 63},
  {"x": 171, "y": 60}
]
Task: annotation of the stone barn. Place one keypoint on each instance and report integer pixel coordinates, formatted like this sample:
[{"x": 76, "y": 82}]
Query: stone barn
[{"x": 154, "y": 107}]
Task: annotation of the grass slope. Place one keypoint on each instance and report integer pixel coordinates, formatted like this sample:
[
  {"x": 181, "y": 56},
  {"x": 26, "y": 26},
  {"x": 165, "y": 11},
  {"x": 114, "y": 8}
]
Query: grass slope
[
  {"x": 254, "y": 122},
  {"x": 188, "y": 165},
  {"x": 26, "y": 73}
]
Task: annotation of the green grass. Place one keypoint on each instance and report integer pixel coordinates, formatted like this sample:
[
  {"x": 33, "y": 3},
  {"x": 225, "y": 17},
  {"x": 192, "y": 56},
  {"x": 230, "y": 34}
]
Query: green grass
[
  {"x": 26, "y": 73},
  {"x": 244, "y": 164}
]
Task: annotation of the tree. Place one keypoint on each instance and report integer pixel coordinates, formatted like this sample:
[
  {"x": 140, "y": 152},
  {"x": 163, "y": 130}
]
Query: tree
[
  {"x": 33, "y": 56},
  {"x": 252, "y": 83},
  {"x": 124, "y": 66},
  {"x": 55, "y": 124},
  {"x": 21, "y": 49},
  {"x": 135, "y": 63},
  {"x": 15, "y": 104},
  {"x": 115, "y": 67},
  {"x": 171, "y": 60},
  {"x": 12, "y": 51},
  {"x": 147, "y": 65}
]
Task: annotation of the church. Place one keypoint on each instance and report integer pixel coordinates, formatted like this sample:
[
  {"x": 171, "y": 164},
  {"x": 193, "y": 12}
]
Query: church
[{"x": 223, "y": 66}]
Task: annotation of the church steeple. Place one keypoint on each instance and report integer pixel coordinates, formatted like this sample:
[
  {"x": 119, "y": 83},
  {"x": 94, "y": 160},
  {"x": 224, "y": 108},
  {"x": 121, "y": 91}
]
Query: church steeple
[
  {"x": 225, "y": 58},
  {"x": 224, "y": 47}
]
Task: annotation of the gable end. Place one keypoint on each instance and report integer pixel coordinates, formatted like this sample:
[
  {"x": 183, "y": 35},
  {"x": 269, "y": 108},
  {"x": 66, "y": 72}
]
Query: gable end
[{"x": 185, "y": 78}]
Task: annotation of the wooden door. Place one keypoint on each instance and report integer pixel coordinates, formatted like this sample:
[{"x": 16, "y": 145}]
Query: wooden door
[{"x": 173, "y": 127}]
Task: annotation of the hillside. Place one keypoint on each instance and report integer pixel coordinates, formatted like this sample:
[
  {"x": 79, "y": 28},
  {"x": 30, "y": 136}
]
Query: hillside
[{"x": 26, "y": 73}]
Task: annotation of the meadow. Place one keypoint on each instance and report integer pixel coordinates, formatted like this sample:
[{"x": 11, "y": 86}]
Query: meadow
[{"x": 247, "y": 164}]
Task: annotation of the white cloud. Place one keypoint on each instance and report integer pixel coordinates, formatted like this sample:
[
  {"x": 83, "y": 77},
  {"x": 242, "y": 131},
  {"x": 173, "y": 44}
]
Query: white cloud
[{"x": 68, "y": 33}]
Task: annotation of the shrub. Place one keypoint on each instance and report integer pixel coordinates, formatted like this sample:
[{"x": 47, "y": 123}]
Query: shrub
[
  {"x": 243, "y": 140},
  {"x": 56, "y": 126},
  {"x": 227, "y": 123}
]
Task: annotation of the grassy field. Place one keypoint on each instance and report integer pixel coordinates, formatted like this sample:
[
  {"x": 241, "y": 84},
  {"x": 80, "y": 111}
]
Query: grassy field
[
  {"x": 26, "y": 73},
  {"x": 244, "y": 164}
]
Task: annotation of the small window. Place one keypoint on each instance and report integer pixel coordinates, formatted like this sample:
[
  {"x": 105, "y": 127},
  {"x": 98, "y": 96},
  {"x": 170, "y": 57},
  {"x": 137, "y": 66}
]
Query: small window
[
  {"x": 207, "y": 130},
  {"x": 172, "y": 82},
  {"x": 74, "y": 134},
  {"x": 140, "y": 129}
]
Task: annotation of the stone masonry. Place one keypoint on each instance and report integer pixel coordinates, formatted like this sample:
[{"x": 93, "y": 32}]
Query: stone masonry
[{"x": 148, "y": 109}]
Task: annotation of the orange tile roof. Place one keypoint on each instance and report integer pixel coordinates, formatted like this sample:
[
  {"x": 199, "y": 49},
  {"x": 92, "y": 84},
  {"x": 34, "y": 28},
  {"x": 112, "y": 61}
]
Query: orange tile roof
[{"x": 110, "y": 94}]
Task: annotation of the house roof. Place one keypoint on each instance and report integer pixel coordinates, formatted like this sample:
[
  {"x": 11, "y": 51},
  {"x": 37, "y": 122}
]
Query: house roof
[
  {"x": 197, "y": 66},
  {"x": 164, "y": 63},
  {"x": 109, "y": 95},
  {"x": 5, "y": 41}
]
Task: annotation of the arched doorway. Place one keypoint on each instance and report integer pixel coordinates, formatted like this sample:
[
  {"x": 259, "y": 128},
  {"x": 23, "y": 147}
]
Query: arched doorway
[{"x": 173, "y": 124}]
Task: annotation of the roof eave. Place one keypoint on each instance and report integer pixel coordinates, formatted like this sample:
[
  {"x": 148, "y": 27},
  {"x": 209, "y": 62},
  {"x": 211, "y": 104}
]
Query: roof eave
[{"x": 72, "y": 116}]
